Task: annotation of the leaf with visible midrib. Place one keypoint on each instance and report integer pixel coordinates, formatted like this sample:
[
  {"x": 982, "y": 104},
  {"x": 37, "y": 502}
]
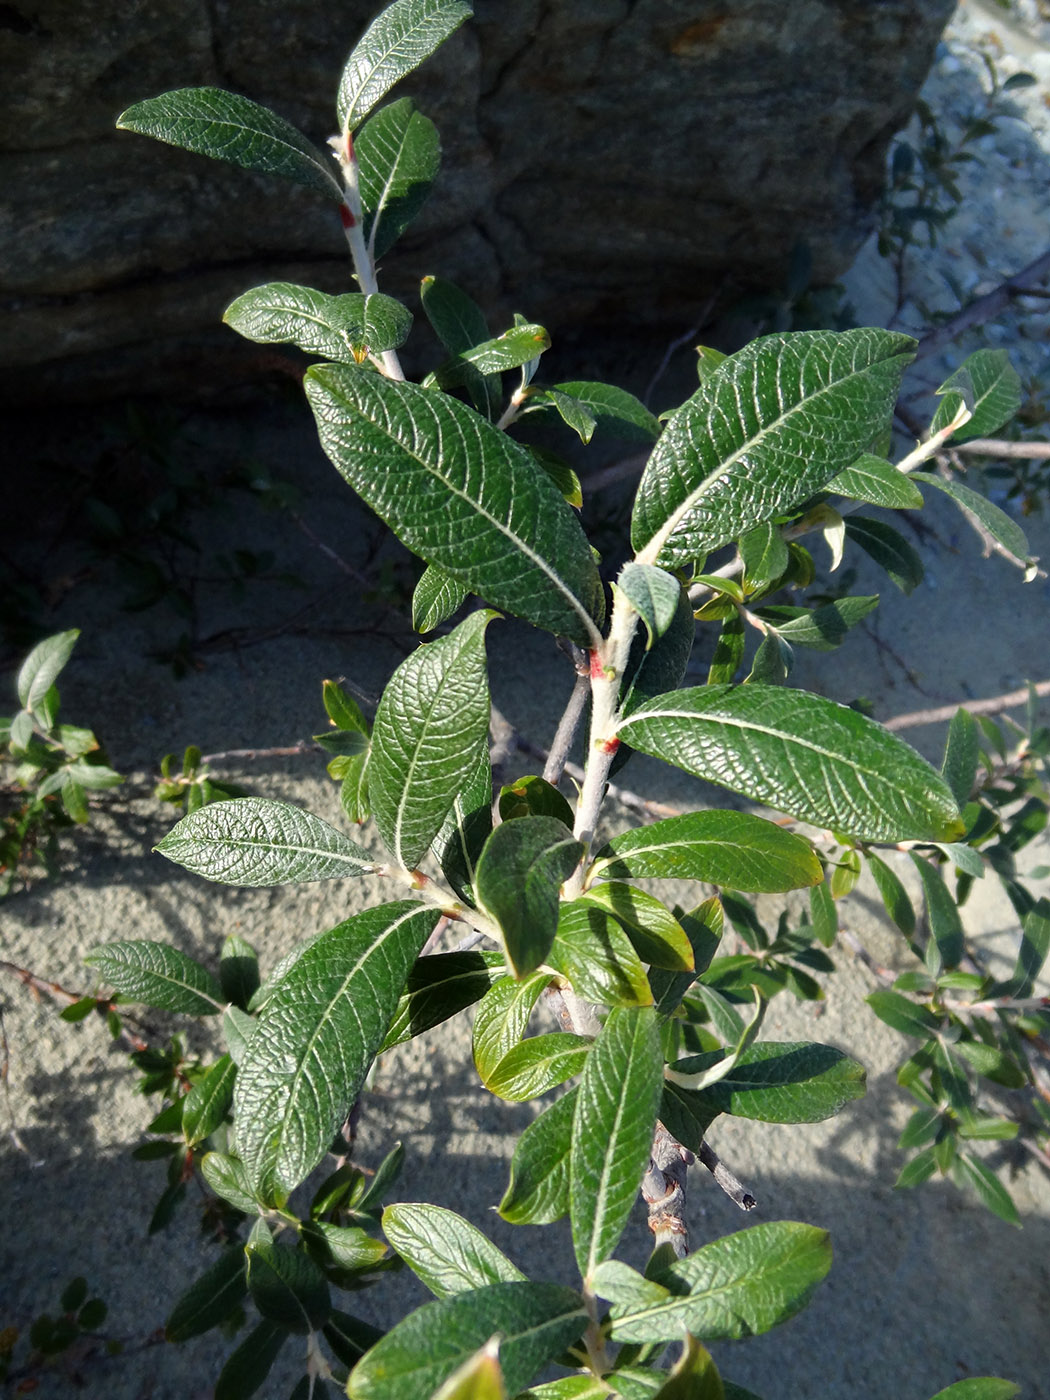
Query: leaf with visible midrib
[
  {"x": 158, "y": 975},
  {"x": 347, "y": 327},
  {"x": 398, "y": 156},
  {"x": 445, "y": 1251},
  {"x": 257, "y": 841},
  {"x": 819, "y": 761},
  {"x": 316, "y": 1037},
  {"x": 226, "y": 126},
  {"x": 429, "y": 734},
  {"x": 768, "y": 427},
  {"x": 780, "y": 1083},
  {"x": 518, "y": 875},
  {"x": 461, "y": 495},
  {"x": 393, "y": 45}
]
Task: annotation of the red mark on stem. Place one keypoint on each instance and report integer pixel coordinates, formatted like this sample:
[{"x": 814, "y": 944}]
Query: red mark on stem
[
  {"x": 345, "y": 215},
  {"x": 609, "y": 745},
  {"x": 597, "y": 670}
]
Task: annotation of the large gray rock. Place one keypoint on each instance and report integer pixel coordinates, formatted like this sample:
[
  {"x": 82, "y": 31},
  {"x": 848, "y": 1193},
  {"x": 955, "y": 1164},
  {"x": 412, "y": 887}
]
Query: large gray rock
[{"x": 613, "y": 160}]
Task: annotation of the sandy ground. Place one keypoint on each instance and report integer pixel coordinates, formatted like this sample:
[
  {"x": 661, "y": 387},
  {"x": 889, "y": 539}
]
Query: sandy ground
[{"x": 927, "y": 1287}]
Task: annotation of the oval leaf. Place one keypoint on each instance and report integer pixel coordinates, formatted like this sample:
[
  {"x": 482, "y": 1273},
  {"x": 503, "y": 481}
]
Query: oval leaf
[
  {"x": 592, "y": 951},
  {"x": 538, "y": 1191},
  {"x": 538, "y": 1064},
  {"x": 42, "y": 667},
  {"x": 445, "y": 1251},
  {"x": 878, "y": 483},
  {"x": 158, "y": 975},
  {"x": 208, "y": 1101},
  {"x": 398, "y": 157},
  {"x": 394, "y": 44},
  {"x": 287, "y": 1287},
  {"x": 346, "y": 328},
  {"x": 211, "y": 1299},
  {"x": 518, "y": 876},
  {"x": 781, "y": 1083}
]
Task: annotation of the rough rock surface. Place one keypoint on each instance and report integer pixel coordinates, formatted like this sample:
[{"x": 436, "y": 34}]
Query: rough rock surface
[{"x": 606, "y": 159}]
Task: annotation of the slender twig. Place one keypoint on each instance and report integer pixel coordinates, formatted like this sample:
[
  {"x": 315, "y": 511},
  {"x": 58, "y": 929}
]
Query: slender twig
[
  {"x": 986, "y": 307},
  {"x": 734, "y": 1188},
  {"x": 1000, "y": 447},
  {"x": 995, "y": 705},
  {"x": 285, "y": 751},
  {"x": 41, "y": 986},
  {"x": 566, "y": 731}
]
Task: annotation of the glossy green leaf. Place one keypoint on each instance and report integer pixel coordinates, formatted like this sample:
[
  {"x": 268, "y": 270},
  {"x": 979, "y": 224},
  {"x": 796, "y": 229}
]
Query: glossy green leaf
[
  {"x": 398, "y": 156},
  {"x": 961, "y": 754},
  {"x": 394, "y": 44},
  {"x": 578, "y": 1387},
  {"x": 573, "y": 413},
  {"x": 740, "y": 1285},
  {"x": 258, "y": 841},
  {"x": 768, "y": 427},
  {"x": 445, "y": 1251},
  {"x": 653, "y": 593},
  {"x": 514, "y": 348},
  {"x": 343, "y": 1246},
  {"x": 460, "y": 494},
  {"x": 893, "y": 894},
  {"x": 653, "y": 670},
  {"x": 538, "y": 1064},
  {"x": 209, "y": 1100},
  {"x": 559, "y": 471},
  {"x": 657, "y": 935},
  {"x": 614, "y": 412},
  {"x": 211, "y": 1298},
  {"x": 538, "y": 1190},
  {"x": 227, "y": 126},
  {"x": 238, "y": 971},
  {"x": 287, "y": 1287},
  {"x": 735, "y": 849},
  {"x": 991, "y": 388},
  {"x": 501, "y": 1018},
  {"x": 429, "y": 734},
  {"x": 942, "y": 913},
  {"x": 435, "y": 598},
  {"x": 347, "y": 328},
  {"x": 535, "y": 1322},
  {"x": 227, "y": 1178},
  {"x": 703, "y": 928},
  {"x": 819, "y": 761},
  {"x": 612, "y": 1131},
  {"x": 888, "y": 547},
  {"x": 518, "y": 876},
  {"x": 996, "y": 522},
  {"x": 531, "y": 796},
  {"x": 781, "y": 1083},
  {"x": 823, "y": 628},
  {"x": 248, "y": 1365},
  {"x": 158, "y": 975},
  {"x": 728, "y": 655},
  {"x": 694, "y": 1375},
  {"x": 439, "y": 987},
  {"x": 686, "y": 1115},
  {"x": 41, "y": 668},
  {"x": 457, "y": 319},
  {"x": 903, "y": 1015},
  {"x": 342, "y": 709},
  {"x": 764, "y": 553},
  {"x": 465, "y": 830},
  {"x": 316, "y": 1038},
  {"x": 1032, "y": 953},
  {"x": 878, "y": 483},
  {"x": 592, "y": 951},
  {"x": 479, "y": 1378}
]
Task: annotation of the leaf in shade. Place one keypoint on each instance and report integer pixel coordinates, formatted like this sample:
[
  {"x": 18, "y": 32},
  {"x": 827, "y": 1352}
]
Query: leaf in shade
[
  {"x": 657, "y": 935},
  {"x": 347, "y": 328},
  {"x": 459, "y": 323},
  {"x": 614, "y": 411},
  {"x": 394, "y": 44},
  {"x": 988, "y": 516},
  {"x": 530, "y": 796},
  {"x": 211, "y": 1299},
  {"x": 535, "y": 1322},
  {"x": 208, "y": 1101},
  {"x": 878, "y": 483},
  {"x": 501, "y": 1019},
  {"x": 538, "y": 1064},
  {"x": 992, "y": 388},
  {"x": 961, "y": 753},
  {"x": 819, "y": 761},
  {"x": 780, "y": 1083},
  {"x": 768, "y": 427},
  {"x": 481, "y": 512},
  {"x": 249, "y": 1364},
  {"x": 980, "y": 1388},
  {"x": 398, "y": 157},
  {"x": 991, "y": 1191},
  {"x": 258, "y": 841},
  {"x": 593, "y": 952},
  {"x": 465, "y": 830},
  {"x": 429, "y": 734},
  {"x": 316, "y": 1037},
  {"x": 226, "y": 126},
  {"x": 157, "y": 975},
  {"x": 654, "y": 670},
  {"x": 903, "y": 1015},
  {"x": 893, "y": 895},
  {"x": 439, "y": 987},
  {"x": 612, "y": 1131},
  {"x": 435, "y": 598},
  {"x": 888, "y": 547},
  {"x": 738, "y": 1286},
  {"x": 445, "y": 1251},
  {"x": 538, "y": 1190},
  {"x": 226, "y": 1177},
  {"x": 764, "y": 553},
  {"x": 653, "y": 593},
  {"x": 942, "y": 912},
  {"x": 287, "y": 1287},
  {"x": 822, "y": 628},
  {"x": 734, "y": 849},
  {"x": 349, "y": 1337},
  {"x": 519, "y": 872}
]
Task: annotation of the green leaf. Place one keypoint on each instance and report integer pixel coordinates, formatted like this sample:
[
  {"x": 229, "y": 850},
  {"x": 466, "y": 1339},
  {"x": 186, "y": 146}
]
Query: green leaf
[
  {"x": 703, "y": 928},
  {"x": 404, "y": 35},
  {"x": 430, "y": 731},
  {"x": 729, "y": 650},
  {"x": 208, "y": 1102},
  {"x": 445, "y": 1251},
  {"x": 578, "y": 1387},
  {"x": 903, "y": 1015},
  {"x": 571, "y": 411},
  {"x": 457, "y": 319},
  {"x": 257, "y": 841},
  {"x": 768, "y": 427},
  {"x": 893, "y": 894},
  {"x": 287, "y": 1287},
  {"x": 781, "y": 1083},
  {"x": 344, "y": 1246},
  {"x": 483, "y": 513},
  {"x": 993, "y": 1194},
  {"x": 157, "y": 975},
  {"x": 764, "y": 553},
  {"x": 694, "y": 1376},
  {"x": 808, "y": 756},
  {"x": 501, "y": 1018},
  {"x": 349, "y": 1337},
  {"x": 226, "y": 1177},
  {"x": 740, "y": 1285},
  {"x": 518, "y": 876},
  {"x": 479, "y": 1378},
  {"x": 398, "y": 156},
  {"x": 657, "y": 935},
  {"x": 652, "y": 670},
  {"x": 559, "y": 471},
  {"x": 342, "y": 709},
  {"x": 1032, "y": 953},
  {"x": 980, "y": 1388},
  {"x": 612, "y": 1131},
  {"x": 248, "y": 1366},
  {"x": 538, "y": 1064},
  {"x": 822, "y": 628},
  {"x": 735, "y": 849},
  {"x": 465, "y": 830},
  {"x": 878, "y": 483},
  {"x": 238, "y": 971},
  {"x": 942, "y": 912},
  {"x": 993, "y": 391},
  {"x": 997, "y": 523},
  {"x": 991, "y": 1062},
  {"x": 653, "y": 593},
  {"x": 347, "y": 328},
  {"x": 439, "y": 987},
  {"x": 531, "y": 796},
  {"x": 888, "y": 547},
  {"x": 226, "y": 126},
  {"x": 536, "y": 1322},
  {"x": 593, "y": 952},
  {"x": 538, "y": 1190},
  {"x": 435, "y": 598},
  {"x": 614, "y": 411},
  {"x": 515, "y": 347},
  {"x": 316, "y": 1037},
  {"x": 961, "y": 753},
  {"x": 211, "y": 1299},
  {"x": 42, "y": 666}
]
